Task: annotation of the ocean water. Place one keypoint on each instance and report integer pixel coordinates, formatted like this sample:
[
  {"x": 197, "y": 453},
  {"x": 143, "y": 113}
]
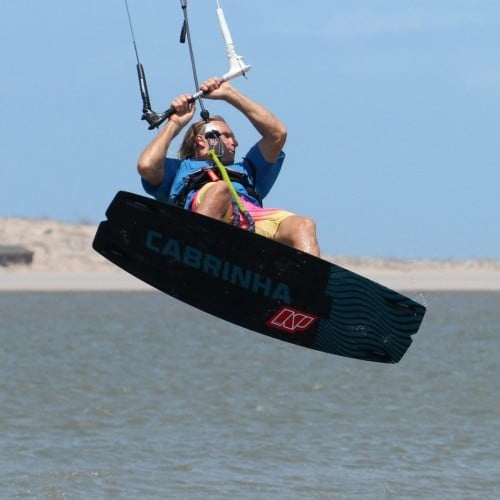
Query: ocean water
[{"x": 135, "y": 395}]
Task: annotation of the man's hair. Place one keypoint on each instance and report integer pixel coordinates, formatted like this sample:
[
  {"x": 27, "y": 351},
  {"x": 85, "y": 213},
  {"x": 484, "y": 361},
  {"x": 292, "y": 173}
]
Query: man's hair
[{"x": 188, "y": 146}]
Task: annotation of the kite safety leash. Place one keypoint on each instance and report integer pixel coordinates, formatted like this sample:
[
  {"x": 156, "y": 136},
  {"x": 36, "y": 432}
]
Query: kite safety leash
[
  {"x": 238, "y": 206},
  {"x": 237, "y": 66},
  {"x": 216, "y": 151}
]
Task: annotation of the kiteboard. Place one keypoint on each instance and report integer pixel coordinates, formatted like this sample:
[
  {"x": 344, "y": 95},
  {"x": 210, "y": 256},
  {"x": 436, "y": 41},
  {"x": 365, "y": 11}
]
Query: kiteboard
[{"x": 257, "y": 283}]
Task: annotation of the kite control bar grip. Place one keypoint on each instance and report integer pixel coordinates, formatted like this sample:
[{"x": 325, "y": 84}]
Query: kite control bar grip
[{"x": 156, "y": 119}]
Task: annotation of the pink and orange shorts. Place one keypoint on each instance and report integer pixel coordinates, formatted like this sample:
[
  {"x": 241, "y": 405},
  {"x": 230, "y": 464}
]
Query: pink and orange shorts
[{"x": 267, "y": 220}]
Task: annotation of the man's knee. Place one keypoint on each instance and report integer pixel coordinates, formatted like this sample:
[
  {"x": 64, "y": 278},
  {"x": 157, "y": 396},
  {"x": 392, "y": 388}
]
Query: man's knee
[
  {"x": 218, "y": 190},
  {"x": 307, "y": 226},
  {"x": 299, "y": 232},
  {"x": 297, "y": 227},
  {"x": 216, "y": 200}
]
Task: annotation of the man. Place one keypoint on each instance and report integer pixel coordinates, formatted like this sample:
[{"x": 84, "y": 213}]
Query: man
[{"x": 189, "y": 181}]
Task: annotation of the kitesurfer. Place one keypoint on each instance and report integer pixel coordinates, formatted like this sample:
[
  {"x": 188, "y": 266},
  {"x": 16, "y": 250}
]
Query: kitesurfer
[{"x": 191, "y": 181}]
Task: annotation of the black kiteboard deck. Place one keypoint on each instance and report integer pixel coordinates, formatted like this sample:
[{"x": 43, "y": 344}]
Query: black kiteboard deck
[{"x": 255, "y": 282}]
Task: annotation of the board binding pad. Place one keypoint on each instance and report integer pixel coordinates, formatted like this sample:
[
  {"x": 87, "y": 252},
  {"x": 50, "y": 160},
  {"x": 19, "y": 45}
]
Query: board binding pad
[{"x": 255, "y": 282}]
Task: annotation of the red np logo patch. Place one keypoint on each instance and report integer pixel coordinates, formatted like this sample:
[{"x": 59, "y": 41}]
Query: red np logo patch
[{"x": 291, "y": 320}]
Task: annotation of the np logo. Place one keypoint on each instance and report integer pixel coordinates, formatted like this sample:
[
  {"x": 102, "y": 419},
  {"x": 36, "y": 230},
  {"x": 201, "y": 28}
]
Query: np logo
[{"x": 291, "y": 320}]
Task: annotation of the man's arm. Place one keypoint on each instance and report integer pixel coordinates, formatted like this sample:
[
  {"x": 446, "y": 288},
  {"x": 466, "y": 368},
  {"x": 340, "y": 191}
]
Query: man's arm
[
  {"x": 151, "y": 161},
  {"x": 271, "y": 129}
]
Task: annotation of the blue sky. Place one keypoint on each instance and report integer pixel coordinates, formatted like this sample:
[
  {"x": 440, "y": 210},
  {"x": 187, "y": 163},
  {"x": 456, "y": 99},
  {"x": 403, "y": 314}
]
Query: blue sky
[{"x": 392, "y": 108}]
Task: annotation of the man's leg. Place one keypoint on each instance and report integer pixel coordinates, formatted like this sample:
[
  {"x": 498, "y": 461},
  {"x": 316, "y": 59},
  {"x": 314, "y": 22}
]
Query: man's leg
[
  {"x": 300, "y": 233},
  {"x": 214, "y": 200}
]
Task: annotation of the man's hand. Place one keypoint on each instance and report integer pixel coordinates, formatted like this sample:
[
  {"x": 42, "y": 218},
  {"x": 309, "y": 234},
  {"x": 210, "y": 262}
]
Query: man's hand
[
  {"x": 215, "y": 88},
  {"x": 184, "y": 110}
]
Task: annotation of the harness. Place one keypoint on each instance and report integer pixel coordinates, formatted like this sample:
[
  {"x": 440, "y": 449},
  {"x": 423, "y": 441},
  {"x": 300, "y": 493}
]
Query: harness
[{"x": 198, "y": 179}]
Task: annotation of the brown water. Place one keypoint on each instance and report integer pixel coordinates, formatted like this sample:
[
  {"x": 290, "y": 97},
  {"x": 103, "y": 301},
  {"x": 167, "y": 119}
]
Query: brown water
[{"x": 134, "y": 395}]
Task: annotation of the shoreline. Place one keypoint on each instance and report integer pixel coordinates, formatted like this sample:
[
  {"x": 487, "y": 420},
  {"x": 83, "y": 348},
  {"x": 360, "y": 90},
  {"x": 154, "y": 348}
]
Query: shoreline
[
  {"x": 412, "y": 280},
  {"x": 63, "y": 260}
]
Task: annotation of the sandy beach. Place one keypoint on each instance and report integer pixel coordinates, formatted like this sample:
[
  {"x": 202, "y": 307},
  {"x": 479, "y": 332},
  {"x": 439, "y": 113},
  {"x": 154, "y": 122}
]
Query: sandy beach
[{"x": 64, "y": 260}]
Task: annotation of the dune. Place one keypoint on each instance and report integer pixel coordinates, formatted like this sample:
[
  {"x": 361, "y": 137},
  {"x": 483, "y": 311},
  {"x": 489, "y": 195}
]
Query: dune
[{"x": 63, "y": 259}]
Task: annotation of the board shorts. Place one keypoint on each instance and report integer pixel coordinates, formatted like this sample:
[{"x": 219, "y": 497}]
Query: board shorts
[{"x": 267, "y": 220}]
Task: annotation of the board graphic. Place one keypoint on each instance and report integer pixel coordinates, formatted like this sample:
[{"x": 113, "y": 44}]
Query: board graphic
[{"x": 255, "y": 282}]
